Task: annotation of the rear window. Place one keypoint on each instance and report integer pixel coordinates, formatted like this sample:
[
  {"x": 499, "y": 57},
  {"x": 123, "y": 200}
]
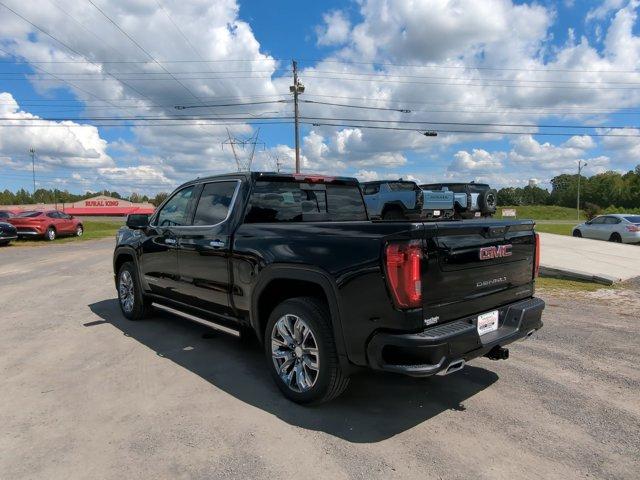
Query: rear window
[
  {"x": 401, "y": 186},
  {"x": 633, "y": 218},
  {"x": 286, "y": 201},
  {"x": 29, "y": 214}
]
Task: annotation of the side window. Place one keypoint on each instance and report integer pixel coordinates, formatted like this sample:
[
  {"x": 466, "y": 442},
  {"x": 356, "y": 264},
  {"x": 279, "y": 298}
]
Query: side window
[
  {"x": 598, "y": 221},
  {"x": 371, "y": 189},
  {"x": 174, "y": 212},
  {"x": 612, "y": 220},
  {"x": 52, "y": 215},
  {"x": 215, "y": 202}
]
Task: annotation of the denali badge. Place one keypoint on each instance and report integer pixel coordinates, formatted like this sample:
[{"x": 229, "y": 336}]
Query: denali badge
[
  {"x": 487, "y": 253},
  {"x": 493, "y": 281}
]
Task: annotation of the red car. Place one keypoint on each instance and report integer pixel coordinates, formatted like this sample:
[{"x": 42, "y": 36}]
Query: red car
[{"x": 47, "y": 224}]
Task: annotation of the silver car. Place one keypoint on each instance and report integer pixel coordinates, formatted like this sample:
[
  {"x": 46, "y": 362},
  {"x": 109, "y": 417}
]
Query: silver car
[{"x": 619, "y": 227}]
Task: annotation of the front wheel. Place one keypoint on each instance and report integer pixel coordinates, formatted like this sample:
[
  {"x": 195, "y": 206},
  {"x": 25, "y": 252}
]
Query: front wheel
[
  {"x": 50, "y": 234},
  {"x": 79, "y": 231},
  {"x": 301, "y": 351},
  {"x": 130, "y": 297},
  {"x": 577, "y": 233}
]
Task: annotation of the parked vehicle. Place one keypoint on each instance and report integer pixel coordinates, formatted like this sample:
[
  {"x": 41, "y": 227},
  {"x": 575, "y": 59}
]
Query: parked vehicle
[
  {"x": 294, "y": 260},
  {"x": 49, "y": 224},
  {"x": 404, "y": 200},
  {"x": 619, "y": 228},
  {"x": 472, "y": 200},
  {"x": 7, "y": 233}
]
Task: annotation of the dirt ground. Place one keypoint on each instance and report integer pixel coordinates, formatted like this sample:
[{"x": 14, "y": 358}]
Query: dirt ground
[{"x": 87, "y": 394}]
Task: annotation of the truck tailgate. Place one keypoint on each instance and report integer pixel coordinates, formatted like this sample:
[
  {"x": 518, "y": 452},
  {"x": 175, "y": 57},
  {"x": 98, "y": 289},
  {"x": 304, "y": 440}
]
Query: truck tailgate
[{"x": 475, "y": 266}]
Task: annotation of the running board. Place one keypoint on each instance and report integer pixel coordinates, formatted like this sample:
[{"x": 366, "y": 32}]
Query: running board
[{"x": 201, "y": 321}]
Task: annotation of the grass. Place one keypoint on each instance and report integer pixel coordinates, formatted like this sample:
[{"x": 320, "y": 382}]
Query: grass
[
  {"x": 545, "y": 212},
  {"x": 557, "y": 228},
  {"x": 93, "y": 230},
  {"x": 558, "y": 284}
]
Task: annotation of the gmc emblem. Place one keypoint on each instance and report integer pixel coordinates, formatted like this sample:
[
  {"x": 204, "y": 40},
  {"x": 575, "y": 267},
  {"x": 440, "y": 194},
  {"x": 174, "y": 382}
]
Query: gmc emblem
[{"x": 488, "y": 253}]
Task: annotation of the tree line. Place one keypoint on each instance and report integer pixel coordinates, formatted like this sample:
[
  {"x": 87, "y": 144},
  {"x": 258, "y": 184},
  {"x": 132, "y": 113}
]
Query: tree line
[
  {"x": 608, "y": 190},
  {"x": 52, "y": 196}
]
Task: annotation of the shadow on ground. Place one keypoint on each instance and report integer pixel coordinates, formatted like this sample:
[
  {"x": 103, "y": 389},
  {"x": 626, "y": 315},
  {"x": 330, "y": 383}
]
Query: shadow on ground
[{"x": 375, "y": 407}]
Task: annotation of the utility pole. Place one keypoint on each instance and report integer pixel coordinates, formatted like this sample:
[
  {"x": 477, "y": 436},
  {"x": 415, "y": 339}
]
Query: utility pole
[
  {"x": 580, "y": 167},
  {"x": 297, "y": 88},
  {"x": 32, "y": 151}
]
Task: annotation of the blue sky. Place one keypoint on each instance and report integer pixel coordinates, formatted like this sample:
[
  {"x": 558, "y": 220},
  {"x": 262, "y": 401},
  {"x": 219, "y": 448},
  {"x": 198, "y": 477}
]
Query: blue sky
[{"x": 496, "y": 66}]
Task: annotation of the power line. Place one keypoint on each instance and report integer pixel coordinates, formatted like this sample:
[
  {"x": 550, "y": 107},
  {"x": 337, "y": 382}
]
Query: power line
[
  {"x": 401, "y": 110},
  {"x": 475, "y": 132},
  {"x": 142, "y": 48},
  {"x": 467, "y": 84},
  {"x": 469, "y": 67},
  {"x": 68, "y": 47}
]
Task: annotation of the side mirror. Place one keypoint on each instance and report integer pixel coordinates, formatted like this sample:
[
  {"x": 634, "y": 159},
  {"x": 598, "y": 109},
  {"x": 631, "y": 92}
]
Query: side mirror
[{"x": 137, "y": 221}]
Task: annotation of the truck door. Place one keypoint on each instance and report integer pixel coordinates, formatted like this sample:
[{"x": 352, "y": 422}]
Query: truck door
[
  {"x": 204, "y": 248},
  {"x": 159, "y": 258}
]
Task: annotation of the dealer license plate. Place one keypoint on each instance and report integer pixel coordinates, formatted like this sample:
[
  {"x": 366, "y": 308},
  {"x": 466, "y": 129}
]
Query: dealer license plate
[{"x": 487, "y": 322}]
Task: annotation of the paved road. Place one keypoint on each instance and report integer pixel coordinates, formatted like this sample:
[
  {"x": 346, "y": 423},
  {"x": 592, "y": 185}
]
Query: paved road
[
  {"x": 86, "y": 394},
  {"x": 583, "y": 258}
]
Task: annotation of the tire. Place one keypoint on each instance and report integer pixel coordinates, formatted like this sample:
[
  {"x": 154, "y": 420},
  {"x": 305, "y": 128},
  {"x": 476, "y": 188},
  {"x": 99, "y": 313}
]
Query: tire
[
  {"x": 4, "y": 243},
  {"x": 577, "y": 233},
  {"x": 488, "y": 201},
  {"x": 79, "y": 230},
  {"x": 393, "y": 214},
  {"x": 130, "y": 298},
  {"x": 314, "y": 386},
  {"x": 50, "y": 234},
  {"x": 616, "y": 238}
]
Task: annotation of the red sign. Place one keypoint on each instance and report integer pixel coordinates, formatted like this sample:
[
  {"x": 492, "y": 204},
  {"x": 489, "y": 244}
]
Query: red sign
[{"x": 101, "y": 203}]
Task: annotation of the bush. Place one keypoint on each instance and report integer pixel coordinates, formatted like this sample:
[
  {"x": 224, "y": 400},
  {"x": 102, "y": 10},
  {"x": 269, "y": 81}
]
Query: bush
[{"x": 592, "y": 210}]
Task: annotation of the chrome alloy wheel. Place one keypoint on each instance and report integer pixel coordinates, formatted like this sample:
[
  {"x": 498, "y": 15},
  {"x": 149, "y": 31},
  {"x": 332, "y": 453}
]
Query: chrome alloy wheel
[
  {"x": 126, "y": 291},
  {"x": 295, "y": 353},
  {"x": 79, "y": 231}
]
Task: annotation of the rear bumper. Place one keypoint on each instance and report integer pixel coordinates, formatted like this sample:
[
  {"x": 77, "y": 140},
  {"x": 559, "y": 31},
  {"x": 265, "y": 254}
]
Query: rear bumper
[{"x": 431, "y": 351}]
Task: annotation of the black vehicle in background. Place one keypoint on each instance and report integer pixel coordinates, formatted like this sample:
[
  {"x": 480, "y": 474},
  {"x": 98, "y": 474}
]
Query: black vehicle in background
[
  {"x": 295, "y": 260},
  {"x": 471, "y": 200},
  {"x": 7, "y": 233}
]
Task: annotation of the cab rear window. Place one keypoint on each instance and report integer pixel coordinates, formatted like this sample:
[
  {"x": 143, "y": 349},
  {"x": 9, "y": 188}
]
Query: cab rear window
[{"x": 289, "y": 201}]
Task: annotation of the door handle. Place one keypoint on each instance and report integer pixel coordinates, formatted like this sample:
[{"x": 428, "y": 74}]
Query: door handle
[
  {"x": 216, "y": 243},
  {"x": 170, "y": 241}
]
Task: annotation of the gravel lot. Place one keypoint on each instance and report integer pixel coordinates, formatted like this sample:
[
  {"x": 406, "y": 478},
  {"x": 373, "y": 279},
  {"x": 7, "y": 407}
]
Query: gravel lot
[{"x": 86, "y": 394}]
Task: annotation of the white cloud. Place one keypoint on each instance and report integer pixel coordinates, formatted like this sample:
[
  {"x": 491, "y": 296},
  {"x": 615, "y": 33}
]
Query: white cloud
[
  {"x": 335, "y": 30},
  {"x": 57, "y": 144},
  {"x": 602, "y": 10},
  {"x": 479, "y": 161}
]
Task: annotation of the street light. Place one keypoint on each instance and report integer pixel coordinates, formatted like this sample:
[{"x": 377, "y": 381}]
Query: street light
[{"x": 580, "y": 167}]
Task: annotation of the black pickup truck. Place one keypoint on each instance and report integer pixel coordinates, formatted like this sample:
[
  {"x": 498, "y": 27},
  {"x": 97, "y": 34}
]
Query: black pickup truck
[{"x": 295, "y": 260}]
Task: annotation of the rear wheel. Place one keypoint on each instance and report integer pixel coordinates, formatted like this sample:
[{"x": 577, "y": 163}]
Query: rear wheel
[
  {"x": 79, "y": 231},
  {"x": 577, "y": 233},
  {"x": 132, "y": 302},
  {"x": 616, "y": 238},
  {"x": 301, "y": 352},
  {"x": 50, "y": 234}
]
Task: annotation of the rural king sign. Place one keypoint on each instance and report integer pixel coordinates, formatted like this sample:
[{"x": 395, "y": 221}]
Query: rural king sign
[
  {"x": 101, "y": 203},
  {"x": 487, "y": 253}
]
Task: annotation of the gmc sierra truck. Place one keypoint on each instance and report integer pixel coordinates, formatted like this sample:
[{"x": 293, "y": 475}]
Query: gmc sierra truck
[{"x": 295, "y": 260}]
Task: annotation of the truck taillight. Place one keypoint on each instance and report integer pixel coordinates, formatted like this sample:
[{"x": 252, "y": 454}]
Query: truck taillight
[
  {"x": 403, "y": 273},
  {"x": 536, "y": 267}
]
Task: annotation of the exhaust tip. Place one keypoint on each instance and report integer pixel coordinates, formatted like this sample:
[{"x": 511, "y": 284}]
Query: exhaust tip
[{"x": 454, "y": 366}]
